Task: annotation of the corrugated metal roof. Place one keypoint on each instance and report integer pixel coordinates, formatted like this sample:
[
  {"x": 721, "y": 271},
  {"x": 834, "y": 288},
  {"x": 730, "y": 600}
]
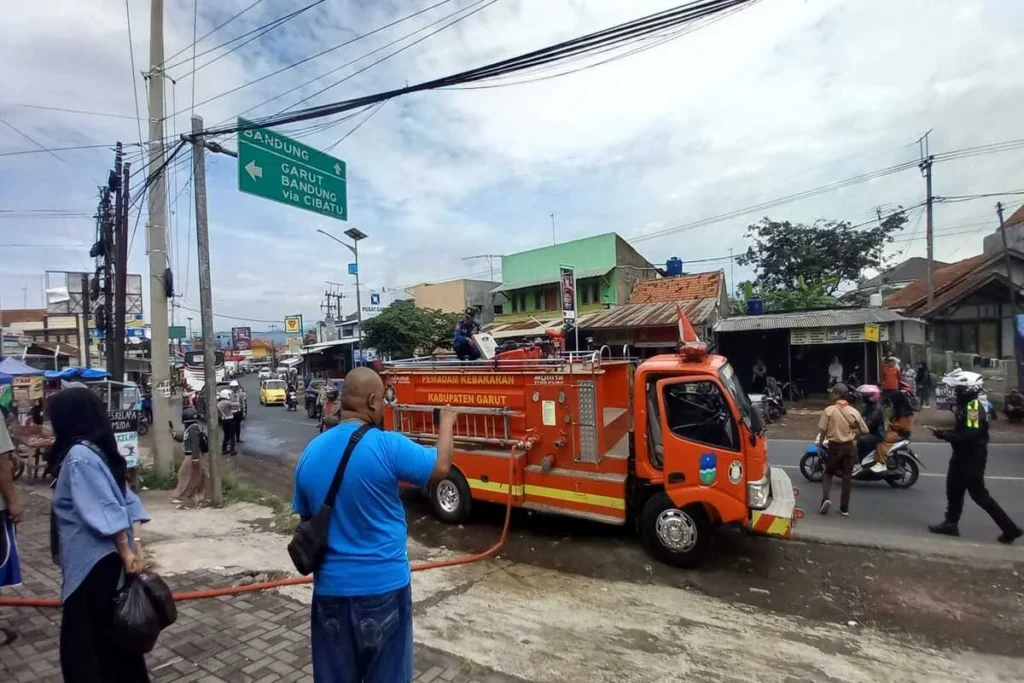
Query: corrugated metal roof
[
  {"x": 698, "y": 311},
  {"x": 836, "y": 317},
  {"x": 580, "y": 274}
]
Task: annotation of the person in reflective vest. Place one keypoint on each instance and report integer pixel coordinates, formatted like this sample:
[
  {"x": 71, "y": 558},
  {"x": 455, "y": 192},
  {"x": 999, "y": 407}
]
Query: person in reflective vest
[{"x": 966, "y": 474}]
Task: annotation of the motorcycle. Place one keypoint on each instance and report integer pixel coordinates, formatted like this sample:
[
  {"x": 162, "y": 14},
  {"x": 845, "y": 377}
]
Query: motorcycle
[
  {"x": 903, "y": 471},
  {"x": 945, "y": 389},
  {"x": 291, "y": 402}
]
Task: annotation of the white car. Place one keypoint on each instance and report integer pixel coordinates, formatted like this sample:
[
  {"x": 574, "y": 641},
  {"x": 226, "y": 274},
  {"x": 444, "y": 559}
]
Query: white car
[{"x": 265, "y": 373}]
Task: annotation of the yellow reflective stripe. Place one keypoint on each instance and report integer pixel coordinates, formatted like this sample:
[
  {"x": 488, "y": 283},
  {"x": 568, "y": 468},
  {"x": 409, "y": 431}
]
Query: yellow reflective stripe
[
  {"x": 780, "y": 527},
  {"x": 548, "y": 492},
  {"x": 493, "y": 486},
  {"x": 577, "y": 497},
  {"x": 972, "y": 423}
]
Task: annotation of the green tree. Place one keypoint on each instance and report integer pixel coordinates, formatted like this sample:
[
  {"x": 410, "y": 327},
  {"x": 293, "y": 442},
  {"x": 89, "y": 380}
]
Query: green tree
[
  {"x": 826, "y": 253},
  {"x": 804, "y": 296},
  {"x": 403, "y": 330}
]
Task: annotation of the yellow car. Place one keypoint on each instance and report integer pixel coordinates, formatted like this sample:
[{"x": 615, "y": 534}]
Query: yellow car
[{"x": 273, "y": 392}]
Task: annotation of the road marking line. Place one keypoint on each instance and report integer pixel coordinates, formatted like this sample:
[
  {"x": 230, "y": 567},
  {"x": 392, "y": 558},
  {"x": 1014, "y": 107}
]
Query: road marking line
[{"x": 923, "y": 474}]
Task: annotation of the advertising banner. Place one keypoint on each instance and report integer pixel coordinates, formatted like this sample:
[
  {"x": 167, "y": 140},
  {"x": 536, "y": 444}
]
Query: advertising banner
[
  {"x": 567, "y": 286},
  {"x": 241, "y": 339},
  {"x": 293, "y": 324},
  {"x": 126, "y": 433}
]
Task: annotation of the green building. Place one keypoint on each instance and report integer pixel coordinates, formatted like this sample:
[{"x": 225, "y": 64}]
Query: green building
[{"x": 606, "y": 268}]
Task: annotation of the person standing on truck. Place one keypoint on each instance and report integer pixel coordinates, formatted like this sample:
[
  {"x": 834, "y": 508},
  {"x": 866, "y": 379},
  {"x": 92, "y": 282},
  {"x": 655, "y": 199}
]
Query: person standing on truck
[
  {"x": 840, "y": 423},
  {"x": 966, "y": 473},
  {"x": 362, "y": 600}
]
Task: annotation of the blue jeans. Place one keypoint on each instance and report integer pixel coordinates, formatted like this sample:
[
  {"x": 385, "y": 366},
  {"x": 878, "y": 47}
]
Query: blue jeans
[{"x": 362, "y": 639}]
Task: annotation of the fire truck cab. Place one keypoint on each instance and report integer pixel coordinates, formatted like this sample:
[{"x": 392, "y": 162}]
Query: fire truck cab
[{"x": 672, "y": 445}]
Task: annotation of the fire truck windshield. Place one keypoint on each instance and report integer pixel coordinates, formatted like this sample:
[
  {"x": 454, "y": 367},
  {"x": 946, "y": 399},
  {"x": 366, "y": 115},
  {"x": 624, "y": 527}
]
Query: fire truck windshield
[{"x": 748, "y": 413}]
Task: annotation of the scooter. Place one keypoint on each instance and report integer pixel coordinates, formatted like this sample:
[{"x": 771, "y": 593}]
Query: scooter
[
  {"x": 903, "y": 471},
  {"x": 291, "y": 402},
  {"x": 966, "y": 378}
]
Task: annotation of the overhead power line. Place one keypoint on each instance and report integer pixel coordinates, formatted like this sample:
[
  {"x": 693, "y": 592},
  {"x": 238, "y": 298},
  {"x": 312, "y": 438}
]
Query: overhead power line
[
  {"x": 32, "y": 140},
  {"x": 210, "y": 32},
  {"x": 82, "y": 112}
]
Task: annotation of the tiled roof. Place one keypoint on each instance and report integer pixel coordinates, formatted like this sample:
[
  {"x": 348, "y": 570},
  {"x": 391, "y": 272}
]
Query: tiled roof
[
  {"x": 1017, "y": 216},
  {"x": 22, "y": 315},
  {"x": 680, "y": 288},
  {"x": 908, "y": 271},
  {"x": 917, "y": 292},
  {"x": 835, "y": 317}
]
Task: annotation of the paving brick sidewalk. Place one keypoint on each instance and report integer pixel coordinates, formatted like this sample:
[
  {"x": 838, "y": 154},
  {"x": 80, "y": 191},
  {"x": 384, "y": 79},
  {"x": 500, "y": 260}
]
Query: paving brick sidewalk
[{"x": 255, "y": 637}]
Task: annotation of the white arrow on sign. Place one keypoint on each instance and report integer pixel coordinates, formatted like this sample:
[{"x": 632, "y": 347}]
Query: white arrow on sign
[
  {"x": 337, "y": 169},
  {"x": 253, "y": 170}
]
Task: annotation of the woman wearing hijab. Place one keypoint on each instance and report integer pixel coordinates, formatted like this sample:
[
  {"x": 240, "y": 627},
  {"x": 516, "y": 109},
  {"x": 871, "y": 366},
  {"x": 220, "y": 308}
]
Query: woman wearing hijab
[{"x": 94, "y": 536}]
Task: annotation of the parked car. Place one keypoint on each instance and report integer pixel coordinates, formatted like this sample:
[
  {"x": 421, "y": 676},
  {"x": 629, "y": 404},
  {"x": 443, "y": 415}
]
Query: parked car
[
  {"x": 265, "y": 373},
  {"x": 313, "y": 393}
]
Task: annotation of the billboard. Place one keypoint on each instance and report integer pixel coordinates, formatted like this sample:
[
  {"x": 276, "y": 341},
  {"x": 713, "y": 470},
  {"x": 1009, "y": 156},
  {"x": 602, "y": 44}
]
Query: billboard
[
  {"x": 241, "y": 339},
  {"x": 64, "y": 294},
  {"x": 567, "y": 289},
  {"x": 374, "y": 303},
  {"x": 293, "y": 324}
]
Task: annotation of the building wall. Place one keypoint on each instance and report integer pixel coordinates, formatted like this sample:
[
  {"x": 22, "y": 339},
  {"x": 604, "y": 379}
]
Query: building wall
[
  {"x": 449, "y": 297},
  {"x": 630, "y": 266},
  {"x": 583, "y": 254}
]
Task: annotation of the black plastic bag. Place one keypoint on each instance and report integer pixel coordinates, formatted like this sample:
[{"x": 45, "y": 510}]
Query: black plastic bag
[{"x": 142, "y": 608}]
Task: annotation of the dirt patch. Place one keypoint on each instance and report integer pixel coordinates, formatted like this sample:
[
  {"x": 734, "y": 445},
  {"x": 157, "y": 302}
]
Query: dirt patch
[{"x": 942, "y": 603}]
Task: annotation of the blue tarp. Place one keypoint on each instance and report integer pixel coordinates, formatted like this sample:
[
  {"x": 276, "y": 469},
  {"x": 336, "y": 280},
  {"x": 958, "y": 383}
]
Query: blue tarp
[
  {"x": 14, "y": 367},
  {"x": 76, "y": 373}
]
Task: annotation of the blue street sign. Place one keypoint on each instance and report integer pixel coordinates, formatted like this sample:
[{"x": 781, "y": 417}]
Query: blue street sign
[{"x": 353, "y": 269}]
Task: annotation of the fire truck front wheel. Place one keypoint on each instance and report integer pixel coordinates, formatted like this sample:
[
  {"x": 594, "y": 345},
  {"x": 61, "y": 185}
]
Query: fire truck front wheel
[
  {"x": 450, "y": 497},
  {"x": 676, "y": 536}
]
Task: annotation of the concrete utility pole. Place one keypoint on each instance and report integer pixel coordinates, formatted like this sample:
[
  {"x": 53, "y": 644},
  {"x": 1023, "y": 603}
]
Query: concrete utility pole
[
  {"x": 926, "y": 169},
  {"x": 160, "y": 362},
  {"x": 206, "y": 308},
  {"x": 1014, "y": 308}
]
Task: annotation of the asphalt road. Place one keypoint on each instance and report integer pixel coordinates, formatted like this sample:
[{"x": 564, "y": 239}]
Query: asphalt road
[{"x": 879, "y": 513}]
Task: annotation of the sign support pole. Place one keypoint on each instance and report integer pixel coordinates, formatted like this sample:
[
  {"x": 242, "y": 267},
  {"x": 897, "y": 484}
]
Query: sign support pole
[{"x": 206, "y": 309}]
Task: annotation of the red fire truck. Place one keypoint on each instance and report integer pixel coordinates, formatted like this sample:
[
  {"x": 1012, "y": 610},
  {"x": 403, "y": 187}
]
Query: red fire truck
[{"x": 672, "y": 445}]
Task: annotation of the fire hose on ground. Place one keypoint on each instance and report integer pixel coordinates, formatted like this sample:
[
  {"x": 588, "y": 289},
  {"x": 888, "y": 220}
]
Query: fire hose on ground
[{"x": 303, "y": 580}]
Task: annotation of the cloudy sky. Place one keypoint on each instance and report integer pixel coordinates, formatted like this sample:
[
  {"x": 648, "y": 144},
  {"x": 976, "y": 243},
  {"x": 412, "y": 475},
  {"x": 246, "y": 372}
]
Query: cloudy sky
[{"x": 779, "y": 98}]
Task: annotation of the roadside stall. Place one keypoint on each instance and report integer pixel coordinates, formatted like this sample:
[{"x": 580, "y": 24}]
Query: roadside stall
[{"x": 31, "y": 437}]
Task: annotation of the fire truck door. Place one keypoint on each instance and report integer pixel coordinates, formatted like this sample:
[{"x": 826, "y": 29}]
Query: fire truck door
[{"x": 702, "y": 451}]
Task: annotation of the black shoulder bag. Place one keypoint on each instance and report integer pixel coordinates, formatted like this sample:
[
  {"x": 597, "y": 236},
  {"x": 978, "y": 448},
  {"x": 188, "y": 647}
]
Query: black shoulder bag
[{"x": 309, "y": 543}]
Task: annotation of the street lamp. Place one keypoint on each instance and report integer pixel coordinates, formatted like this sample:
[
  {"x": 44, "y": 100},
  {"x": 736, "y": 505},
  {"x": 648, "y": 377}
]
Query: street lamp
[{"x": 356, "y": 235}]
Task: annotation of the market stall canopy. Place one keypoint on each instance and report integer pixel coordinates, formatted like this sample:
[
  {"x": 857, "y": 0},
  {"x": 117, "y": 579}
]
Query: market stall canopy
[
  {"x": 77, "y": 373},
  {"x": 15, "y": 368}
]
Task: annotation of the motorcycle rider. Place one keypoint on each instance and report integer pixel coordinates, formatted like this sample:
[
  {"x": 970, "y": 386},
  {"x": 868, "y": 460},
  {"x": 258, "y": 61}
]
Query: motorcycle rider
[
  {"x": 290, "y": 391},
  {"x": 966, "y": 474},
  {"x": 874, "y": 418},
  {"x": 238, "y": 396},
  {"x": 331, "y": 413}
]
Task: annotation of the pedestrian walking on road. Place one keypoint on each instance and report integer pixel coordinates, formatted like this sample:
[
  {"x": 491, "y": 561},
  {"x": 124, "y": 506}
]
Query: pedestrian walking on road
[
  {"x": 966, "y": 473},
  {"x": 226, "y": 412},
  {"x": 193, "y": 475},
  {"x": 330, "y": 413},
  {"x": 362, "y": 601},
  {"x": 840, "y": 423},
  {"x": 94, "y": 533}
]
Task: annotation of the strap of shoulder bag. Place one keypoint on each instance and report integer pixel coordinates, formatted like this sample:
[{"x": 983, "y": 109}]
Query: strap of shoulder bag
[{"x": 332, "y": 493}]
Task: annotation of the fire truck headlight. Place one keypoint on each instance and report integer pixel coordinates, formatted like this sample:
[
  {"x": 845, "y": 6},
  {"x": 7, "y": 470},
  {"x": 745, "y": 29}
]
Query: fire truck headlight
[{"x": 759, "y": 493}]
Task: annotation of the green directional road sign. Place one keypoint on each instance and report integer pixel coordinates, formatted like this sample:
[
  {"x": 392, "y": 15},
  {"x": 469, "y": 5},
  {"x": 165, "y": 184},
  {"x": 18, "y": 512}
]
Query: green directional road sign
[{"x": 276, "y": 167}]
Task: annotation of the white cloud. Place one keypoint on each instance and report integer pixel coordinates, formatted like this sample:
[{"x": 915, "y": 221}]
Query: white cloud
[{"x": 781, "y": 97}]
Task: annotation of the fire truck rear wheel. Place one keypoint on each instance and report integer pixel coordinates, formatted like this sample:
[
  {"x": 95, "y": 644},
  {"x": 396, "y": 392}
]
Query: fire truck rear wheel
[
  {"x": 451, "y": 498},
  {"x": 676, "y": 536}
]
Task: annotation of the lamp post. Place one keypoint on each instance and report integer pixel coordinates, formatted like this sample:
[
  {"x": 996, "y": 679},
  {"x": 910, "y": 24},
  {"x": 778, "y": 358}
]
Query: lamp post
[
  {"x": 356, "y": 235},
  {"x": 189, "y": 331}
]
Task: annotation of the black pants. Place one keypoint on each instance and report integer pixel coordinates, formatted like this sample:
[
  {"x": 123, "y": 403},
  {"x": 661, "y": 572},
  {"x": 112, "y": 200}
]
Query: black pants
[
  {"x": 840, "y": 461},
  {"x": 238, "y": 428},
  {"x": 227, "y": 444},
  {"x": 89, "y": 652},
  {"x": 967, "y": 475},
  {"x": 466, "y": 350}
]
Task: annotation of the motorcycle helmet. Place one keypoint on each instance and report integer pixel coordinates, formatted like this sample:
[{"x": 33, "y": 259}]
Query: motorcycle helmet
[
  {"x": 234, "y": 384},
  {"x": 332, "y": 391},
  {"x": 966, "y": 392},
  {"x": 189, "y": 415},
  {"x": 225, "y": 394},
  {"x": 870, "y": 392}
]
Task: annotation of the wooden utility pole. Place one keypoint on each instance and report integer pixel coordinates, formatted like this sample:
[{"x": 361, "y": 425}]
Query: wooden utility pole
[
  {"x": 206, "y": 308},
  {"x": 1014, "y": 307},
  {"x": 159, "y": 352}
]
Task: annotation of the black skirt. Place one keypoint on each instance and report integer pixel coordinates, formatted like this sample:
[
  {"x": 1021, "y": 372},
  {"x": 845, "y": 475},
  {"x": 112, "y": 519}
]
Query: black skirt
[{"x": 89, "y": 652}]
